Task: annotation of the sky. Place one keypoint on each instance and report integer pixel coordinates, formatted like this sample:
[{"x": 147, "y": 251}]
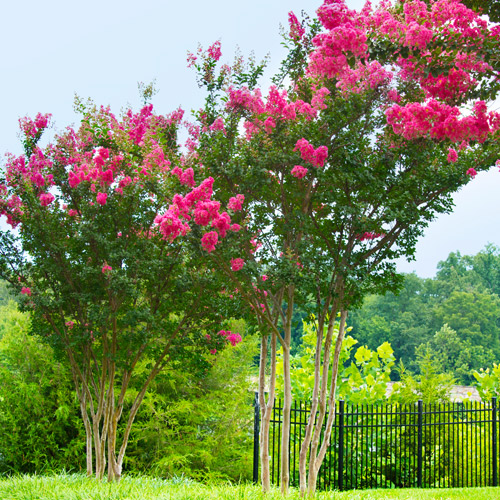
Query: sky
[{"x": 55, "y": 49}]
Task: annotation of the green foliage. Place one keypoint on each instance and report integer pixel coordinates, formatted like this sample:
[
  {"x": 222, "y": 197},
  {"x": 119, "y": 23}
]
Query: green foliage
[
  {"x": 40, "y": 425},
  {"x": 195, "y": 424},
  {"x": 489, "y": 7},
  {"x": 488, "y": 382},
  {"x": 431, "y": 385},
  {"x": 199, "y": 427},
  {"x": 5, "y": 294},
  {"x": 455, "y": 356},
  {"x": 454, "y": 316},
  {"x": 363, "y": 373}
]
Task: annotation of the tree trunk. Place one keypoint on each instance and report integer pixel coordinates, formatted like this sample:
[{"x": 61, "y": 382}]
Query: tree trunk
[
  {"x": 304, "y": 449},
  {"x": 266, "y": 407},
  {"x": 287, "y": 394},
  {"x": 285, "y": 434},
  {"x": 317, "y": 458}
]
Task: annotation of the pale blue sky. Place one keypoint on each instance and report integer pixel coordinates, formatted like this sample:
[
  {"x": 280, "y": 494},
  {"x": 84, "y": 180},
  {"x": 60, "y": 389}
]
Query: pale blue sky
[{"x": 101, "y": 49}]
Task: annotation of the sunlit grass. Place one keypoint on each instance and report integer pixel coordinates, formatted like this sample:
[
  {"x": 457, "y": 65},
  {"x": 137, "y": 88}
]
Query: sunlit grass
[{"x": 79, "y": 487}]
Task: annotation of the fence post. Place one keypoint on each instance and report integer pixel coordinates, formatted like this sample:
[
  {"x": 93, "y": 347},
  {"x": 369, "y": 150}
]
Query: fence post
[
  {"x": 256, "y": 435},
  {"x": 341, "y": 446},
  {"x": 420, "y": 422},
  {"x": 494, "y": 439}
]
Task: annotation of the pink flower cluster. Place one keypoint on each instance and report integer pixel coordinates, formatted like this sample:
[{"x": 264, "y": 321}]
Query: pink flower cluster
[
  {"x": 106, "y": 268},
  {"x": 217, "y": 125},
  {"x": 296, "y": 29},
  {"x": 46, "y": 199},
  {"x": 299, "y": 171},
  {"x": 236, "y": 202},
  {"x": 452, "y": 155},
  {"x": 418, "y": 27},
  {"x": 214, "y": 51},
  {"x": 237, "y": 264},
  {"x": 31, "y": 128},
  {"x": 441, "y": 121},
  {"x": 232, "y": 338},
  {"x": 197, "y": 205},
  {"x": 277, "y": 107},
  {"x": 370, "y": 236},
  {"x": 315, "y": 157},
  {"x": 363, "y": 77}
]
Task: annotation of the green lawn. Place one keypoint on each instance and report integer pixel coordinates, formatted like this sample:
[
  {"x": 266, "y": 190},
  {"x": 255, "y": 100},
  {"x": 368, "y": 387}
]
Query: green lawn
[{"x": 78, "y": 487}]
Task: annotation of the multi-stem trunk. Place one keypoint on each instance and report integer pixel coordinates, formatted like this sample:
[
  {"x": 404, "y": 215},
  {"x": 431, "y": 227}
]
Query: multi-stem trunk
[
  {"x": 285, "y": 434},
  {"x": 266, "y": 408},
  {"x": 287, "y": 396},
  {"x": 319, "y": 446},
  {"x": 304, "y": 449}
]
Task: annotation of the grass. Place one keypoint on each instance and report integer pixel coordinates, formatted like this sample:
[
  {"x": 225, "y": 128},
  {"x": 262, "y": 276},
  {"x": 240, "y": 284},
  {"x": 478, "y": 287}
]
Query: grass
[{"x": 79, "y": 487}]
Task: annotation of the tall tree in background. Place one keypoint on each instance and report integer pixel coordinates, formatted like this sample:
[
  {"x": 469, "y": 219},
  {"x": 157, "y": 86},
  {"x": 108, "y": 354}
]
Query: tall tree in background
[
  {"x": 107, "y": 253},
  {"x": 343, "y": 169}
]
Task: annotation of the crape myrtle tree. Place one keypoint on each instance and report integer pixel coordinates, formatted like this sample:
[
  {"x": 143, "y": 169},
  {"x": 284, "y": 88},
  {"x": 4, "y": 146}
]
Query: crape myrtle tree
[
  {"x": 374, "y": 121},
  {"x": 107, "y": 252}
]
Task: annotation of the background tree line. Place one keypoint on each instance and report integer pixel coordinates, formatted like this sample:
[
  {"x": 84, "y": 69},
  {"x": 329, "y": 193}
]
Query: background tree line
[{"x": 453, "y": 318}]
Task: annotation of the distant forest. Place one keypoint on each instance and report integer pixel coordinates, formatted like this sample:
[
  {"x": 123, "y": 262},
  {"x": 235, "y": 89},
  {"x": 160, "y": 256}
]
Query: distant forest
[{"x": 452, "y": 319}]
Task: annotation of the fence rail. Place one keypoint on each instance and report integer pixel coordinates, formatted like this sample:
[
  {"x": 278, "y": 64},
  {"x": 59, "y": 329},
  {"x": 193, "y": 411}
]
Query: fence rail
[{"x": 393, "y": 445}]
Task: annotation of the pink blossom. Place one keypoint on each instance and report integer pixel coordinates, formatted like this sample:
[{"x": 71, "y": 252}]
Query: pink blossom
[
  {"x": 472, "y": 172},
  {"x": 46, "y": 199},
  {"x": 369, "y": 236},
  {"x": 201, "y": 217},
  {"x": 207, "y": 336},
  {"x": 191, "y": 59},
  {"x": 222, "y": 222},
  {"x": 316, "y": 157},
  {"x": 236, "y": 203},
  {"x": 209, "y": 240},
  {"x": 170, "y": 225},
  {"x": 72, "y": 212},
  {"x": 213, "y": 351},
  {"x": 296, "y": 30},
  {"x": 38, "y": 179},
  {"x": 214, "y": 51},
  {"x": 217, "y": 125},
  {"x": 269, "y": 124},
  {"x": 318, "y": 100},
  {"x": 70, "y": 324},
  {"x": 237, "y": 264},
  {"x": 452, "y": 155},
  {"x": 299, "y": 171},
  {"x": 393, "y": 95},
  {"x": 26, "y": 290},
  {"x": 264, "y": 277},
  {"x": 106, "y": 268},
  {"x": 102, "y": 198},
  {"x": 234, "y": 338},
  {"x": 187, "y": 177},
  {"x": 107, "y": 177}
]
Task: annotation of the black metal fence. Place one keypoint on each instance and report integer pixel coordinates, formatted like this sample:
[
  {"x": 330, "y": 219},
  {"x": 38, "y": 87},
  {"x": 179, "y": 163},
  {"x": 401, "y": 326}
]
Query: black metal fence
[{"x": 393, "y": 445}]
